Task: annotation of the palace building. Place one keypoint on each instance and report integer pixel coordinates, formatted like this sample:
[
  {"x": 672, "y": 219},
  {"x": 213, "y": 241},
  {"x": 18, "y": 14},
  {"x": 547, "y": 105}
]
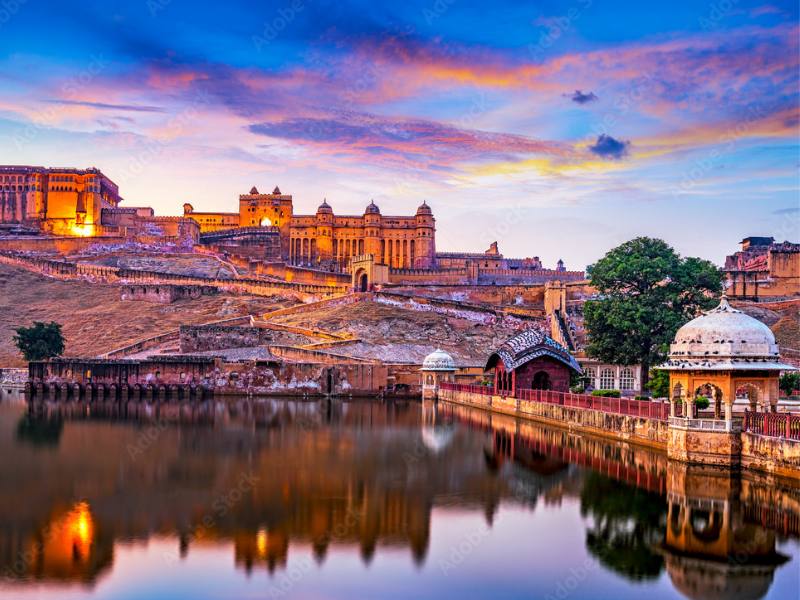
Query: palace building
[
  {"x": 264, "y": 235},
  {"x": 57, "y": 201},
  {"x": 403, "y": 242}
]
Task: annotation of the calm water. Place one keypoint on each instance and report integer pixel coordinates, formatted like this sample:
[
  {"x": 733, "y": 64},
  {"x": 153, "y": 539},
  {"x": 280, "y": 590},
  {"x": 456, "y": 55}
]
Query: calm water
[{"x": 287, "y": 499}]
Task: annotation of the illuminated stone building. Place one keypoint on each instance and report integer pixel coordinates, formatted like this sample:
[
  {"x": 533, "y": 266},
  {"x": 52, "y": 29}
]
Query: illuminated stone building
[
  {"x": 58, "y": 201},
  {"x": 401, "y": 242}
]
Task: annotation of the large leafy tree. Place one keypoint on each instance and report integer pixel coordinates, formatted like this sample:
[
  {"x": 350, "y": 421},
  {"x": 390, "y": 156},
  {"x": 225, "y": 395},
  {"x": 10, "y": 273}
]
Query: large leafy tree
[
  {"x": 41, "y": 341},
  {"x": 646, "y": 291}
]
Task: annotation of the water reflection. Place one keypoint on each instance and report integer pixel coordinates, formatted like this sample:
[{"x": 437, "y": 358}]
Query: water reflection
[{"x": 264, "y": 477}]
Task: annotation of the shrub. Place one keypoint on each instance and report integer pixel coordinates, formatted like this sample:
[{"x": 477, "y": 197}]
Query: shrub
[
  {"x": 41, "y": 341},
  {"x": 606, "y": 393},
  {"x": 790, "y": 382},
  {"x": 701, "y": 402},
  {"x": 641, "y": 397}
]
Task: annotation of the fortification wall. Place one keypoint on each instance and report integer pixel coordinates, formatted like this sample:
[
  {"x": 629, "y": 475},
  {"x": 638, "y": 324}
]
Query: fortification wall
[
  {"x": 56, "y": 245},
  {"x": 164, "y": 293},
  {"x": 203, "y": 338},
  {"x": 255, "y": 287}
]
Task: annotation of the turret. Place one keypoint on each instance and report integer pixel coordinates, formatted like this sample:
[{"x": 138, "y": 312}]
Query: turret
[
  {"x": 372, "y": 230},
  {"x": 324, "y": 231},
  {"x": 425, "y": 241}
]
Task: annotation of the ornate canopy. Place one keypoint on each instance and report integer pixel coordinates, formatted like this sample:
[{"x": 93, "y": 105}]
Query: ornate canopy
[{"x": 528, "y": 345}]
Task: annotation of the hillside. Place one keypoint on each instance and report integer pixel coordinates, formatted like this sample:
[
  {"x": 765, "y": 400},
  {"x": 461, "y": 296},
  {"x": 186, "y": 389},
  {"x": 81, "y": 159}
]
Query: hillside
[{"x": 95, "y": 320}]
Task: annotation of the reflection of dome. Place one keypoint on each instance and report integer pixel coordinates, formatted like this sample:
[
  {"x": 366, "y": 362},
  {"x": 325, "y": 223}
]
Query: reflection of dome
[
  {"x": 710, "y": 580},
  {"x": 424, "y": 209},
  {"x": 372, "y": 209},
  {"x": 438, "y": 360},
  {"x": 325, "y": 207},
  {"x": 724, "y": 338},
  {"x": 437, "y": 439}
]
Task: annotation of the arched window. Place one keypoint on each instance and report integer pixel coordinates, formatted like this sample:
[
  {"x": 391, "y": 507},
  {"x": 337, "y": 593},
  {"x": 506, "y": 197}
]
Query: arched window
[
  {"x": 626, "y": 379},
  {"x": 606, "y": 379}
]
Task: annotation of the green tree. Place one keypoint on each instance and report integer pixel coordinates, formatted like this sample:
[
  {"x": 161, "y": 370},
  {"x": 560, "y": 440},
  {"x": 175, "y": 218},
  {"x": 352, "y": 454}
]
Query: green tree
[
  {"x": 790, "y": 382},
  {"x": 646, "y": 291},
  {"x": 658, "y": 383},
  {"x": 41, "y": 341}
]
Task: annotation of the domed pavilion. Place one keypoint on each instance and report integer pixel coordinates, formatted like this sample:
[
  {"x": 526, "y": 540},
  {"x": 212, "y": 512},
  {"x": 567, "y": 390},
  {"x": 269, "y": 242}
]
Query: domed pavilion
[
  {"x": 437, "y": 367},
  {"x": 723, "y": 355}
]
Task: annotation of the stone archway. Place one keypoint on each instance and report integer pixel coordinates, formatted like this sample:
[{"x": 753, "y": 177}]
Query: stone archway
[
  {"x": 751, "y": 393},
  {"x": 361, "y": 280},
  {"x": 713, "y": 393}
]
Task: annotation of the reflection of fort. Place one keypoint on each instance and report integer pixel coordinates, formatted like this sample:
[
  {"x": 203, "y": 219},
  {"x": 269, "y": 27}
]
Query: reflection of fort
[{"x": 356, "y": 477}]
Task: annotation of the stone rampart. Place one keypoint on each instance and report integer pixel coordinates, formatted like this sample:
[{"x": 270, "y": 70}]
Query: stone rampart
[{"x": 203, "y": 338}]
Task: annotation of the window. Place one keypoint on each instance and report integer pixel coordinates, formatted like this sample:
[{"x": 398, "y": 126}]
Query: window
[
  {"x": 606, "y": 379},
  {"x": 626, "y": 380},
  {"x": 591, "y": 377}
]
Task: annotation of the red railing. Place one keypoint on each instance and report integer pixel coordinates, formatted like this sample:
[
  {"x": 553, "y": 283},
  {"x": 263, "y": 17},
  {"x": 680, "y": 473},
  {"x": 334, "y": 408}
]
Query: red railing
[
  {"x": 773, "y": 424},
  {"x": 483, "y": 390},
  {"x": 619, "y": 406}
]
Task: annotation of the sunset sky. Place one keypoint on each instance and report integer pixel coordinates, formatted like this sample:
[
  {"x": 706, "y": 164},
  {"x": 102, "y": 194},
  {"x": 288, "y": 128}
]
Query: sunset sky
[{"x": 559, "y": 129}]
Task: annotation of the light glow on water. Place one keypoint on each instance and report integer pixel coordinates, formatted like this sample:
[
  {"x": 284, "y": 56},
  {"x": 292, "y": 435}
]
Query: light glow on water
[{"x": 351, "y": 500}]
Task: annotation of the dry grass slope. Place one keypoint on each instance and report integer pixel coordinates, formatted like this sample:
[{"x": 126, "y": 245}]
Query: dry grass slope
[{"x": 93, "y": 317}]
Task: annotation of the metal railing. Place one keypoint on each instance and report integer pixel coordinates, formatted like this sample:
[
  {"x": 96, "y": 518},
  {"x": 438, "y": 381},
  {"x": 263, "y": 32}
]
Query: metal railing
[{"x": 773, "y": 424}]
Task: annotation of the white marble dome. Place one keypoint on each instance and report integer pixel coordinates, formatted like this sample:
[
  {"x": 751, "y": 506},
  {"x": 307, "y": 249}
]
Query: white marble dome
[
  {"x": 438, "y": 360},
  {"x": 724, "y": 338}
]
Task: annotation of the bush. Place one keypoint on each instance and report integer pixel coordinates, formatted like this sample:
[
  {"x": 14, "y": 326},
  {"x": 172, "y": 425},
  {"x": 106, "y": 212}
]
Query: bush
[
  {"x": 641, "y": 397},
  {"x": 790, "y": 382},
  {"x": 607, "y": 393},
  {"x": 41, "y": 341},
  {"x": 659, "y": 383},
  {"x": 701, "y": 402}
]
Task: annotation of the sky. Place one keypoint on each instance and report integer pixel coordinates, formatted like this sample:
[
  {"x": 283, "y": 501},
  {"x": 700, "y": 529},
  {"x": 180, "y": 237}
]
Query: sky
[{"x": 559, "y": 129}]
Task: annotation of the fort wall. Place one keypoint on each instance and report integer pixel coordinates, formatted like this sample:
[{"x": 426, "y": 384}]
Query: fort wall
[{"x": 164, "y": 293}]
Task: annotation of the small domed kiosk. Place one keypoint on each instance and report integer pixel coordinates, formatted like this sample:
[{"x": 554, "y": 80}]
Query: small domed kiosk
[
  {"x": 721, "y": 355},
  {"x": 437, "y": 367}
]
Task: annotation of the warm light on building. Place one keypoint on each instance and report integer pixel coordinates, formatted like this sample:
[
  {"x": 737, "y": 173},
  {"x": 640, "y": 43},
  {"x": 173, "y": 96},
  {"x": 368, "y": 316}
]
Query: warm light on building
[{"x": 84, "y": 230}]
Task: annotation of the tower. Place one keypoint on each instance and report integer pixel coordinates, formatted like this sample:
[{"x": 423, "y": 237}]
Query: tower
[
  {"x": 324, "y": 234},
  {"x": 424, "y": 245},
  {"x": 372, "y": 230}
]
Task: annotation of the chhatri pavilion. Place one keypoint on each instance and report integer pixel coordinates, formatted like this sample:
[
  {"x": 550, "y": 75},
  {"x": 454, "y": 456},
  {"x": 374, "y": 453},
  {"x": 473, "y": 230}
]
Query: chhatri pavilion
[{"x": 724, "y": 355}]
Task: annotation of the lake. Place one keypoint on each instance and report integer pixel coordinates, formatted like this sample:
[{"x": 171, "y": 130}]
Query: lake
[{"x": 274, "y": 498}]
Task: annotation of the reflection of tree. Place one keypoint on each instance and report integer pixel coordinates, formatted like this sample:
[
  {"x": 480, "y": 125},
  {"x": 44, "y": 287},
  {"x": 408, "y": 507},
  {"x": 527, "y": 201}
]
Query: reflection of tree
[
  {"x": 627, "y": 522},
  {"x": 40, "y": 430}
]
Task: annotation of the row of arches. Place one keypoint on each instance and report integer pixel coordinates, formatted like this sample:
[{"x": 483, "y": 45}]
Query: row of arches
[{"x": 398, "y": 254}]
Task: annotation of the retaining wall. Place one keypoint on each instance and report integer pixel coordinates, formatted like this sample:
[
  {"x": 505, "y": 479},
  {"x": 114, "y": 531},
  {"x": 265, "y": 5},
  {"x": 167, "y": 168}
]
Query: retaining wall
[{"x": 639, "y": 430}]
